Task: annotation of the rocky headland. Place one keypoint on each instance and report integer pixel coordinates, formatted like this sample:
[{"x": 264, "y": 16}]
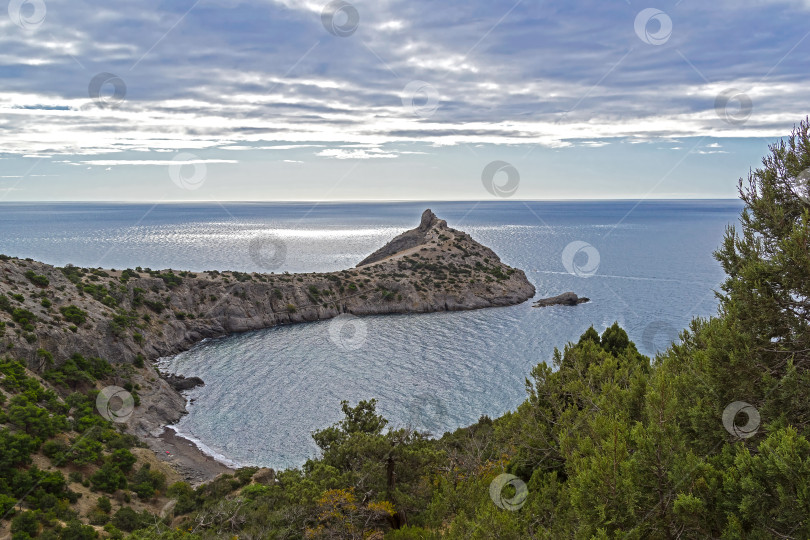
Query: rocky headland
[{"x": 135, "y": 316}]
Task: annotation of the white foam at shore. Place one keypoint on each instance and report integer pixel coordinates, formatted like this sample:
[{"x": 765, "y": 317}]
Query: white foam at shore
[{"x": 205, "y": 449}]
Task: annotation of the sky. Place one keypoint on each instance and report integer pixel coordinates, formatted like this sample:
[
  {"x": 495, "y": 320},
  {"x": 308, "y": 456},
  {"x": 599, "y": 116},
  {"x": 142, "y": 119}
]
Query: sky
[{"x": 229, "y": 100}]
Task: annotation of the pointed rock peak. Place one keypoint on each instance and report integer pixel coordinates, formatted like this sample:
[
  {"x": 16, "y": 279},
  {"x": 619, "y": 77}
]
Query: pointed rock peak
[
  {"x": 409, "y": 239},
  {"x": 428, "y": 220},
  {"x": 428, "y": 217}
]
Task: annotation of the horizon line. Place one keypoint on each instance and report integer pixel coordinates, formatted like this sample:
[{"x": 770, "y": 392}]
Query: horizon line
[{"x": 362, "y": 201}]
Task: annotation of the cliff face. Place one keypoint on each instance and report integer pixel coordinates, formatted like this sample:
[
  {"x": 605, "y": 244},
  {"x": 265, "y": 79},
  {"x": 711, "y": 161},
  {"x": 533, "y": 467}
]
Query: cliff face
[{"x": 119, "y": 315}]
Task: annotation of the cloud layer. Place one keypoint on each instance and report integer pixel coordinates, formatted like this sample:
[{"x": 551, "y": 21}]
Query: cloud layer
[{"x": 217, "y": 77}]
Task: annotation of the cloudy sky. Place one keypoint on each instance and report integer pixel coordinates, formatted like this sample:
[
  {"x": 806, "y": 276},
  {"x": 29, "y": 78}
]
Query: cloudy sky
[{"x": 394, "y": 99}]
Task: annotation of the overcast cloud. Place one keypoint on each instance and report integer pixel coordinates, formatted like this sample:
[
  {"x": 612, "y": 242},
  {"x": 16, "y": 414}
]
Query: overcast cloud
[{"x": 274, "y": 106}]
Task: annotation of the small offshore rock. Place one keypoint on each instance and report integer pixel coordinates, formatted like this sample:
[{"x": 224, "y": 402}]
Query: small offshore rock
[
  {"x": 181, "y": 383},
  {"x": 564, "y": 299}
]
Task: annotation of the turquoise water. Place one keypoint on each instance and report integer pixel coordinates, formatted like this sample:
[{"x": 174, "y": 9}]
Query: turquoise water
[{"x": 266, "y": 391}]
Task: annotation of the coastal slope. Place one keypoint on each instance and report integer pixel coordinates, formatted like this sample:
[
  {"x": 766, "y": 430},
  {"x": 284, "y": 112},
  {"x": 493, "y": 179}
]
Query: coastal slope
[{"x": 120, "y": 314}]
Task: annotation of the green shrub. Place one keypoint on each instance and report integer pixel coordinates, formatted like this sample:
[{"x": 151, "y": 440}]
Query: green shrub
[
  {"x": 123, "y": 320},
  {"x": 55, "y": 451},
  {"x": 76, "y": 530},
  {"x": 78, "y": 370},
  {"x": 254, "y": 491},
  {"x": 23, "y": 316},
  {"x": 186, "y": 498},
  {"x": 74, "y": 314},
  {"x": 109, "y": 479},
  {"x": 26, "y": 523},
  {"x": 32, "y": 419},
  {"x": 170, "y": 279},
  {"x": 97, "y": 517},
  {"x": 45, "y": 355},
  {"x": 38, "y": 280},
  {"x": 85, "y": 452},
  {"x": 128, "y": 274},
  {"x": 147, "y": 482},
  {"x": 104, "y": 504},
  {"x": 128, "y": 519},
  {"x": 123, "y": 459}
]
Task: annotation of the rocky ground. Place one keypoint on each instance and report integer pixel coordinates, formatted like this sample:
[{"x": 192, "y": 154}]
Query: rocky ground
[{"x": 137, "y": 315}]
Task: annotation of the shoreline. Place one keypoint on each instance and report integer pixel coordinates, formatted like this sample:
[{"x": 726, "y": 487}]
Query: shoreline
[
  {"x": 205, "y": 449},
  {"x": 189, "y": 456},
  {"x": 184, "y": 456}
]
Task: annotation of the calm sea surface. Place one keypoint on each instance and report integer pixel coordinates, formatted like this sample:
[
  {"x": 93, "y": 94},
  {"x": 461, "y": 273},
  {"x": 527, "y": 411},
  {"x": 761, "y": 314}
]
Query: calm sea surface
[{"x": 266, "y": 391}]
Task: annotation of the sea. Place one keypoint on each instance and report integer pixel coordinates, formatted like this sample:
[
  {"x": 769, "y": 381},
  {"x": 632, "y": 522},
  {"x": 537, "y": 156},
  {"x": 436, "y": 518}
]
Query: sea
[{"x": 647, "y": 265}]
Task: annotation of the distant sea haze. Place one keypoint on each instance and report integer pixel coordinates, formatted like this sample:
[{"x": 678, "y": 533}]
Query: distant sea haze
[{"x": 648, "y": 265}]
